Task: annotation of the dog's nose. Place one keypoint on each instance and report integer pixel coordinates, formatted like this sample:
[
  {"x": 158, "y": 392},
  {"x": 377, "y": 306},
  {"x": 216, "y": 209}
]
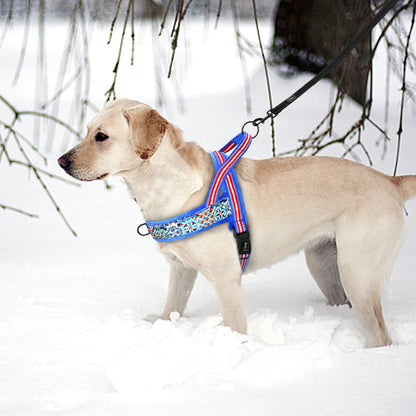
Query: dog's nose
[{"x": 64, "y": 161}]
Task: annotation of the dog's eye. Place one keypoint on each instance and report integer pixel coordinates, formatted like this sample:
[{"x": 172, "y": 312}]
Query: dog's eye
[{"x": 100, "y": 137}]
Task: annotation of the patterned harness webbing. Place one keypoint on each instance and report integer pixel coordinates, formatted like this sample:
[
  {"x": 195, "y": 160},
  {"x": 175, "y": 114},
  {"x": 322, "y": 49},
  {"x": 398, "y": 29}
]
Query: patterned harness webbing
[{"x": 224, "y": 203}]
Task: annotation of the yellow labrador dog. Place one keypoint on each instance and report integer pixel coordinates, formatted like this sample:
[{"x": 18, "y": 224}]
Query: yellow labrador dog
[{"x": 347, "y": 218}]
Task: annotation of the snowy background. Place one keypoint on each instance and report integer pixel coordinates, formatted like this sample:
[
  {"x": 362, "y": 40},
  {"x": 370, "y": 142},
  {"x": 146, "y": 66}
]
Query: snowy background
[{"x": 79, "y": 327}]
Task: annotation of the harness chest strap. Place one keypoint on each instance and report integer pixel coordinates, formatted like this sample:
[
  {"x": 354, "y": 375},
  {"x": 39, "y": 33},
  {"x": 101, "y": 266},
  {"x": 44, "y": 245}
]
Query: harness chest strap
[{"x": 224, "y": 203}]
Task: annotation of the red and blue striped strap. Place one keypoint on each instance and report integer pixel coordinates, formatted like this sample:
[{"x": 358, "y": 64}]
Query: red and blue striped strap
[{"x": 225, "y": 180}]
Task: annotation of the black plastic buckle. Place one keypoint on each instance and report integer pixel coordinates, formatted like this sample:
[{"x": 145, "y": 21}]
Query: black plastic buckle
[{"x": 243, "y": 243}]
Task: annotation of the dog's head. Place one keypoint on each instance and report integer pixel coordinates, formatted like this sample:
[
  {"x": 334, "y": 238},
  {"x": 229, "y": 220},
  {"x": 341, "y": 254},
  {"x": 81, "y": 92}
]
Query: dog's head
[{"x": 120, "y": 137}]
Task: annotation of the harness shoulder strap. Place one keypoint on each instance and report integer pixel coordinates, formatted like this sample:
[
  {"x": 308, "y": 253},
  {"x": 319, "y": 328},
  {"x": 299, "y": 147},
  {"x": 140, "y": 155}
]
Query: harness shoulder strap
[
  {"x": 238, "y": 145},
  {"x": 226, "y": 181}
]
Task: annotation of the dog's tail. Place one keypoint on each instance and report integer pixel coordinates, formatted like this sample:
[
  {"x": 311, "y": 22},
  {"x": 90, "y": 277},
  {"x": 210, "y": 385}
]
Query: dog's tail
[{"x": 406, "y": 185}]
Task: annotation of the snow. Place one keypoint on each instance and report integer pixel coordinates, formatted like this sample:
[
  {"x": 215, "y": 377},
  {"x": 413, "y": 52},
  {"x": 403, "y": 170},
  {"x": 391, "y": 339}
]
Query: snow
[{"x": 80, "y": 332}]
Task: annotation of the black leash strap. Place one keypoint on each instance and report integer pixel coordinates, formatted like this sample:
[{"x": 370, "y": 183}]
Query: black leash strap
[{"x": 388, "y": 5}]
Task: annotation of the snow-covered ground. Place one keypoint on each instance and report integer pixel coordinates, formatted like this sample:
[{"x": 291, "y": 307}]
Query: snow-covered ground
[{"x": 79, "y": 327}]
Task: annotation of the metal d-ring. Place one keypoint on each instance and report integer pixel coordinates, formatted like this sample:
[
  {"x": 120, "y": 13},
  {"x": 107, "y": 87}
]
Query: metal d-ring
[
  {"x": 253, "y": 123},
  {"x": 140, "y": 232},
  {"x": 257, "y": 121}
]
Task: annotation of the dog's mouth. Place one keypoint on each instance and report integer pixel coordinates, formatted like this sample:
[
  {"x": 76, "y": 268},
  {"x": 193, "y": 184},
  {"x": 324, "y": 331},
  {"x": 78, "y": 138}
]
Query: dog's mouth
[
  {"x": 88, "y": 178},
  {"x": 98, "y": 178}
]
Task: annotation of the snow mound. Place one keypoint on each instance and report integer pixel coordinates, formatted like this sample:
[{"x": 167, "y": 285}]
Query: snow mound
[{"x": 139, "y": 356}]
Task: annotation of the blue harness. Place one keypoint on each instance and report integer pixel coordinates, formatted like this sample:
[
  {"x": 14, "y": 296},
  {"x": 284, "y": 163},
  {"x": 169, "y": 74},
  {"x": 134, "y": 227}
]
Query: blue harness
[{"x": 224, "y": 203}]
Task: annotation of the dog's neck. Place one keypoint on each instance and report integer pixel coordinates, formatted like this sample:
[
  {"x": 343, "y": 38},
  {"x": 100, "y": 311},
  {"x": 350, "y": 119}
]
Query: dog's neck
[{"x": 172, "y": 181}]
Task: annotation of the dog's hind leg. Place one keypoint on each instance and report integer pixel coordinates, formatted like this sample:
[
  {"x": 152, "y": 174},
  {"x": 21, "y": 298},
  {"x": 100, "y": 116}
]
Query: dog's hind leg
[
  {"x": 321, "y": 260},
  {"x": 181, "y": 283},
  {"x": 365, "y": 297},
  {"x": 366, "y": 254}
]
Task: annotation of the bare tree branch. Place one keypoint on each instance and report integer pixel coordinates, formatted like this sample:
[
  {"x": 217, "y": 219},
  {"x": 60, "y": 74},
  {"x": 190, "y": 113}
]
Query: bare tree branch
[
  {"x": 323, "y": 134},
  {"x": 111, "y": 92},
  {"x": 403, "y": 89},
  {"x": 22, "y": 141}
]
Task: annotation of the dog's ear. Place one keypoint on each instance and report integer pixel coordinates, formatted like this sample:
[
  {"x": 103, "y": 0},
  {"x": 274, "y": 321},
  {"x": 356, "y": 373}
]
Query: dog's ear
[{"x": 147, "y": 128}]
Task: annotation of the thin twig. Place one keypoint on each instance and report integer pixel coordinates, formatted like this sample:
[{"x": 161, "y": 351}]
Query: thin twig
[
  {"x": 132, "y": 34},
  {"x": 53, "y": 118},
  {"x": 162, "y": 25},
  {"x": 113, "y": 22},
  {"x": 266, "y": 74},
  {"x": 175, "y": 33},
  {"x": 177, "y": 24},
  {"x": 217, "y": 19},
  {"x": 403, "y": 89},
  {"x": 8, "y": 21},
  {"x": 20, "y": 211},
  {"x": 45, "y": 188},
  {"x": 111, "y": 92},
  {"x": 43, "y": 172},
  {"x": 27, "y": 141}
]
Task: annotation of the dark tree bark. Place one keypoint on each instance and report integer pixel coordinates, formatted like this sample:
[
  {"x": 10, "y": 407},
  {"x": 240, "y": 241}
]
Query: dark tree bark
[{"x": 309, "y": 33}]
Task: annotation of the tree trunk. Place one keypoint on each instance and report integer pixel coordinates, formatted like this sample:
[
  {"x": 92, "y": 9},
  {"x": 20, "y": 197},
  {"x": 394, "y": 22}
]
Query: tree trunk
[{"x": 310, "y": 33}]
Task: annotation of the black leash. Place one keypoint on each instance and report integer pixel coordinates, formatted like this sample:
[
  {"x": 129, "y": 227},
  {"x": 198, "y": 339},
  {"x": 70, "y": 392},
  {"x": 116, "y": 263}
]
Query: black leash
[{"x": 272, "y": 113}]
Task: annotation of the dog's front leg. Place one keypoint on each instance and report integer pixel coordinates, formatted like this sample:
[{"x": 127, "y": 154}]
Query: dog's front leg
[
  {"x": 230, "y": 297},
  {"x": 181, "y": 283}
]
